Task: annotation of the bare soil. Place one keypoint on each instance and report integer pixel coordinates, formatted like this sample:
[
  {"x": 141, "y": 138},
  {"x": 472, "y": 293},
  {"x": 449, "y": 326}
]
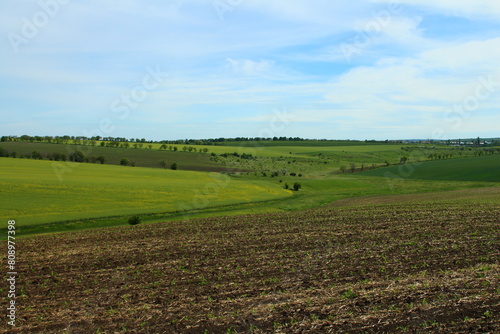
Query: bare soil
[{"x": 392, "y": 268}]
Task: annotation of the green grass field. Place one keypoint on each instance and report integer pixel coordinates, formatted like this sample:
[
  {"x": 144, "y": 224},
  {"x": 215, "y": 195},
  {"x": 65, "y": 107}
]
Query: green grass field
[
  {"x": 34, "y": 192},
  {"x": 42, "y": 193},
  {"x": 299, "y": 151},
  {"x": 470, "y": 169}
]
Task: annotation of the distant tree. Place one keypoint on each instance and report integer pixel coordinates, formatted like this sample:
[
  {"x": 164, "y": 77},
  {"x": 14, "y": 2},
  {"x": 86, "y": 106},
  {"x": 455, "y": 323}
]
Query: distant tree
[
  {"x": 135, "y": 145},
  {"x": 205, "y": 150},
  {"x": 343, "y": 168},
  {"x": 77, "y": 156},
  {"x": 101, "y": 159},
  {"x": 174, "y": 166},
  {"x": 353, "y": 167},
  {"x": 163, "y": 147},
  {"x": 103, "y": 144},
  {"x": 286, "y": 186},
  {"x": 36, "y": 155},
  {"x": 124, "y": 162},
  {"x": 150, "y": 146},
  {"x": 163, "y": 164},
  {"x": 297, "y": 186},
  {"x": 175, "y": 149},
  {"x": 403, "y": 160}
]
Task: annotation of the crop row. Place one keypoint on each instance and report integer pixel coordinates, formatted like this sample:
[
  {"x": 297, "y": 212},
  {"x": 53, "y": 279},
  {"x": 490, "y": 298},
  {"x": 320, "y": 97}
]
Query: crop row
[{"x": 373, "y": 269}]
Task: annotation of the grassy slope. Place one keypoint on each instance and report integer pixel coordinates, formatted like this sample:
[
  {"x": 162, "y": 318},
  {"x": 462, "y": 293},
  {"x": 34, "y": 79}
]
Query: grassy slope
[
  {"x": 299, "y": 151},
  {"x": 32, "y": 193},
  {"x": 470, "y": 169},
  {"x": 308, "y": 143},
  {"x": 54, "y": 201}
]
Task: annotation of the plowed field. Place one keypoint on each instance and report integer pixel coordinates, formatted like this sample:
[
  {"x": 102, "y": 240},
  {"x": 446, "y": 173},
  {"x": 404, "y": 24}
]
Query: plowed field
[{"x": 391, "y": 268}]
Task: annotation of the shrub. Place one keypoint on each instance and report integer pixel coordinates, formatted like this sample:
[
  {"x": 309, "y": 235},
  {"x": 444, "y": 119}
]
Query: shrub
[
  {"x": 37, "y": 155},
  {"x": 134, "y": 220},
  {"x": 297, "y": 186},
  {"x": 174, "y": 166},
  {"x": 101, "y": 159},
  {"x": 77, "y": 156}
]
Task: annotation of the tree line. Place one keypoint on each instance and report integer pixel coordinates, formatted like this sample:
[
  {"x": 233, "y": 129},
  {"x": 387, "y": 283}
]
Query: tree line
[
  {"x": 77, "y": 156},
  {"x": 77, "y": 140}
]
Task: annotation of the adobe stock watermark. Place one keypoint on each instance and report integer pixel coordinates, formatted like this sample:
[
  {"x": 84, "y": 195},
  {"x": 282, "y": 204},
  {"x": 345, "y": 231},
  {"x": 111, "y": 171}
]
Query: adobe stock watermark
[
  {"x": 129, "y": 101},
  {"x": 455, "y": 115},
  {"x": 204, "y": 195},
  {"x": 31, "y": 27},
  {"x": 371, "y": 29},
  {"x": 121, "y": 106},
  {"x": 223, "y": 6},
  {"x": 454, "y": 118}
]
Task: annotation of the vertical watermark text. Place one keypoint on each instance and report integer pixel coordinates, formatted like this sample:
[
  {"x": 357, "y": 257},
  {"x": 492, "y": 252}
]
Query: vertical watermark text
[{"x": 11, "y": 273}]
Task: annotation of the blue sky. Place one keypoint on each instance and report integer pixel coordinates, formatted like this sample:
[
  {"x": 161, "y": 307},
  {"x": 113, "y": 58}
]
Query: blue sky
[{"x": 175, "y": 69}]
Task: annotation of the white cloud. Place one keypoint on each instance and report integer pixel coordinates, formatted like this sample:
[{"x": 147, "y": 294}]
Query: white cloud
[
  {"x": 422, "y": 90},
  {"x": 252, "y": 68},
  {"x": 484, "y": 8},
  {"x": 476, "y": 57}
]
